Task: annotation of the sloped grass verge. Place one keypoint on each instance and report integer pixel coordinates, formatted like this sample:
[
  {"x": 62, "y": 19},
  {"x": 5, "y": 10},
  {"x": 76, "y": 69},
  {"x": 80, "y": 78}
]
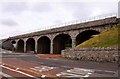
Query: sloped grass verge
[{"x": 109, "y": 38}]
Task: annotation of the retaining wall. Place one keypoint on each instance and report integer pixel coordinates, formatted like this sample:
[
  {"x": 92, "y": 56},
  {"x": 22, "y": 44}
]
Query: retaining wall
[{"x": 92, "y": 54}]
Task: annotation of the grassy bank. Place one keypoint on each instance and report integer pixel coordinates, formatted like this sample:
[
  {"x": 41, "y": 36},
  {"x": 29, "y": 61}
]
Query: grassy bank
[{"x": 107, "y": 38}]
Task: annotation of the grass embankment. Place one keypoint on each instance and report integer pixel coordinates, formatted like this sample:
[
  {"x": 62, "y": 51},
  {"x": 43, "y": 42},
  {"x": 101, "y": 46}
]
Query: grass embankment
[{"x": 107, "y": 38}]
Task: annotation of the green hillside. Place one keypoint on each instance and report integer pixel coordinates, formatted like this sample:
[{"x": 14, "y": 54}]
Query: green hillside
[{"x": 107, "y": 38}]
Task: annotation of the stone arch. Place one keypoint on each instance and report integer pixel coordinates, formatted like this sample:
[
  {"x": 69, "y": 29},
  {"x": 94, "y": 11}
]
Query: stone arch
[
  {"x": 43, "y": 45},
  {"x": 30, "y": 45},
  {"x": 60, "y": 42},
  {"x": 85, "y": 35},
  {"x": 20, "y": 46},
  {"x": 13, "y": 41}
]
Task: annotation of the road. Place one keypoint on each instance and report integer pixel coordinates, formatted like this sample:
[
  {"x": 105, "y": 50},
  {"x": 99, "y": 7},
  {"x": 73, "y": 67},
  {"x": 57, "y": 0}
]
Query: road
[{"x": 21, "y": 65}]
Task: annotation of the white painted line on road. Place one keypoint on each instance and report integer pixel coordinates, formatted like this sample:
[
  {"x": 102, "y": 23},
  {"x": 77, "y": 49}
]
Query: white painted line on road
[
  {"x": 6, "y": 75},
  {"x": 19, "y": 72},
  {"x": 65, "y": 74},
  {"x": 107, "y": 71},
  {"x": 75, "y": 72},
  {"x": 17, "y": 68},
  {"x": 43, "y": 76},
  {"x": 86, "y": 75},
  {"x": 42, "y": 68},
  {"x": 89, "y": 73}
]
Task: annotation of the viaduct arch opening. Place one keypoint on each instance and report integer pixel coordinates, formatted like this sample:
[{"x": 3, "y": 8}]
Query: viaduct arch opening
[
  {"x": 13, "y": 42},
  {"x": 43, "y": 46},
  {"x": 20, "y": 46},
  {"x": 30, "y": 45},
  {"x": 60, "y": 42},
  {"x": 85, "y": 35}
]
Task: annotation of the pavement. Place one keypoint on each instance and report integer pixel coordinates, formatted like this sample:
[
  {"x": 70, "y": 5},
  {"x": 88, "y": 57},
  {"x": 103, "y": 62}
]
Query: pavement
[
  {"x": 53, "y": 67},
  {"x": 49, "y": 55}
]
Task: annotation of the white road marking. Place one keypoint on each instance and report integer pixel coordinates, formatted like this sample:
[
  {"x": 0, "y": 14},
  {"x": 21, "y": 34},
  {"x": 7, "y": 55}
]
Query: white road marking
[
  {"x": 75, "y": 72},
  {"x": 89, "y": 73},
  {"x": 42, "y": 68},
  {"x": 86, "y": 75},
  {"x": 81, "y": 72},
  {"x": 65, "y": 74},
  {"x": 43, "y": 76},
  {"x": 17, "y": 68},
  {"x": 6, "y": 75},
  {"x": 19, "y": 72}
]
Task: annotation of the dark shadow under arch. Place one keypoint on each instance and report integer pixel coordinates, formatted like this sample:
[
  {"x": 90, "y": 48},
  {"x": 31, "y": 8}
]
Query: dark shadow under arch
[
  {"x": 13, "y": 42},
  {"x": 43, "y": 45},
  {"x": 60, "y": 42},
  {"x": 30, "y": 45},
  {"x": 85, "y": 35},
  {"x": 20, "y": 46}
]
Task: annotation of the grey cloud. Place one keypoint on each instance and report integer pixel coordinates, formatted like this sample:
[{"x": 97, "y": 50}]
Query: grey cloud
[
  {"x": 58, "y": 21},
  {"x": 77, "y": 9},
  {"x": 13, "y": 7},
  {"x": 42, "y": 7},
  {"x": 84, "y": 10},
  {"x": 9, "y": 22}
]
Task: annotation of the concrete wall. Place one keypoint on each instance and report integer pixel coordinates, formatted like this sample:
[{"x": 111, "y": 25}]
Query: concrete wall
[{"x": 92, "y": 54}]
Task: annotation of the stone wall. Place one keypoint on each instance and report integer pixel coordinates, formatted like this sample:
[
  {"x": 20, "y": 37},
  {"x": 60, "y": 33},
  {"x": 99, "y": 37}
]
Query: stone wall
[
  {"x": 92, "y": 54},
  {"x": 7, "y": 45}
]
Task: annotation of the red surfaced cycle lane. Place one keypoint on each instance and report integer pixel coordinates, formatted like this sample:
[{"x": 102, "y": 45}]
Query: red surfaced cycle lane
[{"x": 31, "y": 68}]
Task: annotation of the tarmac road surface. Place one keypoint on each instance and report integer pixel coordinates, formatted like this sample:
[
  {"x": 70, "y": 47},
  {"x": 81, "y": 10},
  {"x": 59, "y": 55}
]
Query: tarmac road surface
[{"x": 54, "y": 67}]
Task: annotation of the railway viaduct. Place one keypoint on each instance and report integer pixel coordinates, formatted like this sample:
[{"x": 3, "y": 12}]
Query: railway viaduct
[{"x": 52, "y": 41}]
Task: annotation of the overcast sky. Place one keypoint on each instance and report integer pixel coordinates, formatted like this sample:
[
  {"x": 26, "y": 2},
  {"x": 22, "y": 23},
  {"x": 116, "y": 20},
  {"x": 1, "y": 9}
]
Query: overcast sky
[{"x": 23, "y": 16}]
